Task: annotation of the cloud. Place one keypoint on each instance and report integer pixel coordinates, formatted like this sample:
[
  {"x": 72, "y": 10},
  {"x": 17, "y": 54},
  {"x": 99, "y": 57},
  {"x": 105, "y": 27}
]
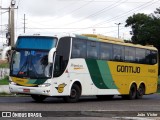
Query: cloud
[{"x": 58, "y": 15}]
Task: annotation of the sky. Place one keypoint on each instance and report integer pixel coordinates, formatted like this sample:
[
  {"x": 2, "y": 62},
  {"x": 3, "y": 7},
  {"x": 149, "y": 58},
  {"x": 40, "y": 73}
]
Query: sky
[{"x": 51, "y": 17}]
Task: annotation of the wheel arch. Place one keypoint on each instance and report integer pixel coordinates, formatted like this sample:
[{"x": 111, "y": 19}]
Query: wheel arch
[
  {"x": 142, "y": 83},
  {"x": 132, "y": 84},
  {"x": 77, "y": 82}
]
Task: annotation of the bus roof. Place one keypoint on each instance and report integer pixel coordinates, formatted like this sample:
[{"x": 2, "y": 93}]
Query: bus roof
[{"x": 108, "y": 39}]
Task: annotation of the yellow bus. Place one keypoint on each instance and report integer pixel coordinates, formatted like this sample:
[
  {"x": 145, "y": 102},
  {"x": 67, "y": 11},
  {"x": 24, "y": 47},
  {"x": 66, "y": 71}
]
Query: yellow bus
[{"x": 89, "y": 64}]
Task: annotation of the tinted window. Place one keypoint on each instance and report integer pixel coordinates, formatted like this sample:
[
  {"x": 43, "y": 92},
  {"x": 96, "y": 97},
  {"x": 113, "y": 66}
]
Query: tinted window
[
  {"x": 79, "y": 48},
  {"x": 130, "y": 53},
  {"x": 82, "y": 48},
  {"x": 36, "y": 42},
  {"x": 153, "y": 57},
  {"x": 62, "y": 55},
  {"x": 105, "y": 52},
  {"x": 118, "y": 53},
  {"x": 140, "y": 55},
  {"x": 92, "y": 49},
  {"x": 148, "y": 57}
]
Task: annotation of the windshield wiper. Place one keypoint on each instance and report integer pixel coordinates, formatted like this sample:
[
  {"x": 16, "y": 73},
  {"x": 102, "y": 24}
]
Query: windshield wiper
[
  {"x": 35, "y": 73},
  {"x": 21, "y": 72}
]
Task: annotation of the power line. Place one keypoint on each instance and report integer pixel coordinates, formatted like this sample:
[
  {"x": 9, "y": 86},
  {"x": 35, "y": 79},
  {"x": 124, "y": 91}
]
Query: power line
[
  {"x": 112, "y": 31},
  {"x": 70, "y": 12},
  {"x": 98, "y": 12},
  {"x": 66, "y": 6},
  {"x": 108, "y": 20},
  {"x": 126, "y": 13},
  {"x": 122, "y": 15},
  {"x": 103, "y": 1},
  {"x": 60, "y": 9},
  {"x": 109, "y": 7},
  {"x": 82, "y": 6},
  {"x": 94, "y": 14},
  {"x": 67, "y": 28}
]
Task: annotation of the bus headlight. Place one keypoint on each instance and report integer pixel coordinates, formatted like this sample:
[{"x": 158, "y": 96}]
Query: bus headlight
[
  {"x": 12, "y": 83},
  {"x": 44, "y": 85}
]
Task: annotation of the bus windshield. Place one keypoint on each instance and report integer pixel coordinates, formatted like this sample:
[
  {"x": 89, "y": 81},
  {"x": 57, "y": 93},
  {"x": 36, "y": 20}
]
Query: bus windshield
[{"x": 30, "y": 64}]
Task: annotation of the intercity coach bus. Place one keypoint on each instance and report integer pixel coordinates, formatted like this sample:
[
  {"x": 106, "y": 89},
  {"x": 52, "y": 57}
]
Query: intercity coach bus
[{"x": 84, "y": 65}]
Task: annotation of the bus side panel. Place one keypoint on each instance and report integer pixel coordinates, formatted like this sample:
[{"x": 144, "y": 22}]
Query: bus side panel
[
  {"x": 98, "y": 77},
  {"x": 101, "y": 77},
  {"x": 76, "y": 70},
  {"x": 90, "y": 76},
  {"x": 124, "y": 74}
]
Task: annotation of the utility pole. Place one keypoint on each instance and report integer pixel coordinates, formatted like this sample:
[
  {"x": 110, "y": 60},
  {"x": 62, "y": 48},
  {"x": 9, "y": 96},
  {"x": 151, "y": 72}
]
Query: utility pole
[
  {"x": 24, "y": 23},
  {"x": 11, "y": 24},
  {"x": 118, "y": 27},
  {"x": 11, "y": 30},
  {"x": 7, "y": 34}
]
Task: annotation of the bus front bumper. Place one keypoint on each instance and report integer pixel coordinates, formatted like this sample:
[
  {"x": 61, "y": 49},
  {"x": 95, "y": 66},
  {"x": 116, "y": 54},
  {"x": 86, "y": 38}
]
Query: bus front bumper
[{"x": 30, "y": 90}]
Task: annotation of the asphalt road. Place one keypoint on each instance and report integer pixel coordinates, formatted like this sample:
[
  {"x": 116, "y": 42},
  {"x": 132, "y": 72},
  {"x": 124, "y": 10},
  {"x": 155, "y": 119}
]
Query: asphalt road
[{"x": 87, "y": 107}]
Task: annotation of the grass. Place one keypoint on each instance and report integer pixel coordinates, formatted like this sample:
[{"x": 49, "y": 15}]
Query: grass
[
  {"x": 4, "y": 94},
  {"x": 4, "y": 65},
  {"x": 4, "y": 81}
]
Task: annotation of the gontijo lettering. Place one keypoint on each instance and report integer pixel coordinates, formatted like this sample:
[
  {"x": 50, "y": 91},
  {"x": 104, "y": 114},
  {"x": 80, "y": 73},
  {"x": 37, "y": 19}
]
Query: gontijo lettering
[{"x": 128, "y": 69}]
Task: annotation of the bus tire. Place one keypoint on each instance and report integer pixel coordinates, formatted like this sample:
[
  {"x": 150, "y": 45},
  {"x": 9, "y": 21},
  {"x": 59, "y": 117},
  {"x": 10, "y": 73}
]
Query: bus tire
[
  {"x": 74, "y": 94},
  {"x": 132, "y": 93},
  {"x": 38, "y": 98},
  {"x": 104, "y": 97},
  {"x": 140, "y": 91}
]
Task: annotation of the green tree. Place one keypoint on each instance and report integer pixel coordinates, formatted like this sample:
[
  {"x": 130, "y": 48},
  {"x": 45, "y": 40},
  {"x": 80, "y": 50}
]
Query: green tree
[
  {"x": 145, "y": 28},
  {"x": 140, "y": 24}
]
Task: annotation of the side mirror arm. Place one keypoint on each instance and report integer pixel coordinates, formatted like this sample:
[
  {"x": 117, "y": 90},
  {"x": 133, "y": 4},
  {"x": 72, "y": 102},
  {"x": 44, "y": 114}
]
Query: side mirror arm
[{"x": 50, "y": 55}]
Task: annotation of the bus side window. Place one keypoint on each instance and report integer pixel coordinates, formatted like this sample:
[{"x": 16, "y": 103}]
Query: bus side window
[
  {"x": 76, "y": 51},
  {"x": 140, "y": 55},
  {"x": 130, "y": 54},
  {"x": 92, "y": 49},
  {"x": 105, "y": 51},
  {"x": 118, "y": 53},
  {"x": 58, "y": 65},
  {"x": 148, "y": 57},
  {"x": 78, "y": 48},
  {"x": 153, "y": 57}
]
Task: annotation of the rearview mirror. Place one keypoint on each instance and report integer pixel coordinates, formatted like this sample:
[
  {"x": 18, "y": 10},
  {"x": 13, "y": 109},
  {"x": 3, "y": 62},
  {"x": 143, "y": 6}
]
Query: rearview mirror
[{"x": 50, "y": 55}]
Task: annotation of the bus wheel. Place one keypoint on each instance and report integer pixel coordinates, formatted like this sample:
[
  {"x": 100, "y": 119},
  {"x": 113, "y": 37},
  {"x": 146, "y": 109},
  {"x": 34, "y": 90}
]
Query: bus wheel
[
  {"x": 104, "y": 97},
  {"x": 74, "y": 95},
  {"x": 132, "y": 92},
  {"x": 140, "y": 91},
  {"x": 38, "y": 98}
]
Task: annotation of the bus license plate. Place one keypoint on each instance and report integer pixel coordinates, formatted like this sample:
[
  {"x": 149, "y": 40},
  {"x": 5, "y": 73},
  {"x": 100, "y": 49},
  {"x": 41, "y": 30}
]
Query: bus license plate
[{"x": 26, "y": 90}]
